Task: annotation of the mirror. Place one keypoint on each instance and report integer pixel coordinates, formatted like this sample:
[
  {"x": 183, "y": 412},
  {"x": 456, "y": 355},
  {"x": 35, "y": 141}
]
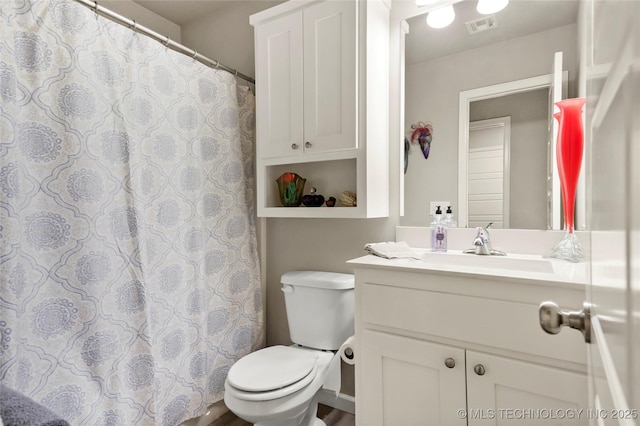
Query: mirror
[
  {"x": 442, "y": 64},
  {"x": 488, "y": 118}
]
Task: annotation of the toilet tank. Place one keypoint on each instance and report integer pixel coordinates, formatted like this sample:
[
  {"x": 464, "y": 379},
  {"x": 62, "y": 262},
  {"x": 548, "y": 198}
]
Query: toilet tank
[{"x": 320, "y": 307}]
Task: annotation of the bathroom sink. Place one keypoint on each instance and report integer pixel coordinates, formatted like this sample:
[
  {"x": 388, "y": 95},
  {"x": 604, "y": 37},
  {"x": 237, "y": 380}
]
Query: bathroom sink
[{"x": 521, "y": 263}]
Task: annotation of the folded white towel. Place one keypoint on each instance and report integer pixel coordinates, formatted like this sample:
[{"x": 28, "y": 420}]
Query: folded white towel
[{"x": 391, "y": 250}]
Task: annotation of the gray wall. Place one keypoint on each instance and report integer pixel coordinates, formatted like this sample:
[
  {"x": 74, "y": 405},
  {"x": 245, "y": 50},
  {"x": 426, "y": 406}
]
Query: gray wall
[
  {"x": 143, "y": 16},
  {"x": 288, "y": 244},
  {"x": 432, "y": 94},
  {"x": 315, "y": 244},
  {"x": 226, "y": 35}
]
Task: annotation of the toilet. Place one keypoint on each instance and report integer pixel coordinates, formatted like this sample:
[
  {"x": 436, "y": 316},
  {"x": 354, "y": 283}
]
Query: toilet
[{"x": 280, "y": 385}]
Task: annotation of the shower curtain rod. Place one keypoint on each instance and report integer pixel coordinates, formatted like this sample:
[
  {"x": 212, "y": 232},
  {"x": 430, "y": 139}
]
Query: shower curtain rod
[{"x": 131, "y": 23}]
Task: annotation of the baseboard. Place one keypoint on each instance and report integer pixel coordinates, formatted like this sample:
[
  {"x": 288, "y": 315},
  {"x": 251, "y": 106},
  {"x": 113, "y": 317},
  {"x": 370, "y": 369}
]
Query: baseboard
[{"x": 342, "y": 402}]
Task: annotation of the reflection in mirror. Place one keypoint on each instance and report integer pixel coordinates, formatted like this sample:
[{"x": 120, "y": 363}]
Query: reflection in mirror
[
  {"x": 521, "y": 193},
  {"x": 440, "y": 64},
  {"x": 489, "y": 172},
  {"x": 522, "y": 200}
]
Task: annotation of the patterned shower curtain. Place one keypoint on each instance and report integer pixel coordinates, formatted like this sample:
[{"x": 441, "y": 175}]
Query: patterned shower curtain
[{"x": 129, "y": 279}]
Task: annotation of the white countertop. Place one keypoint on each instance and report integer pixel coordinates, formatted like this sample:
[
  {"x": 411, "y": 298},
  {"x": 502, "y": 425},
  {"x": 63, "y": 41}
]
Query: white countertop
[{"x": 513, "y": 266}]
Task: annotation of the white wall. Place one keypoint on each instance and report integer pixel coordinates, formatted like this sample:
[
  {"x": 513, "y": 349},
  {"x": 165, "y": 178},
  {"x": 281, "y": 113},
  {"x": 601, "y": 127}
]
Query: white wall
[{"x": 432, "y": 95}]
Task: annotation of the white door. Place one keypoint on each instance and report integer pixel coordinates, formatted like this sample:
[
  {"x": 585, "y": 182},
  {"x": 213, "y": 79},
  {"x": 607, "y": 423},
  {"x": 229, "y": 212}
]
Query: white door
[
  {"x": 554, "y": 194},
  {"x": 610, "y": 54},
  {"x": 488, "y": 172},
  {"x": 410, "y": 382},
  {"x": 611, "y": 51}
]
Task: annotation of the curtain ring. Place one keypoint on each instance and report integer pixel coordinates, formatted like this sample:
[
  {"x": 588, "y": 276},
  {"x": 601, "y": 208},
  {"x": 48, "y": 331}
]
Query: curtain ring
[
  {"x": 166, "y": 42},
  {"x": 236, "y": 73},
  {"x": 195, "y": 53},
  {"x": 217, "y": 63},
  {"x": 135, "y": 26},
  {"x": 95, "y": 8}
]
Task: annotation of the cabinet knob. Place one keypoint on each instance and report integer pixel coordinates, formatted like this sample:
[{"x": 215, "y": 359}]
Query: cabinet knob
[
  {"x": 450, "y": 362},
  {"x": 294, "y": 146},
  {"x": 307, "y": 144},
  {"x": 479, "y": 369}
]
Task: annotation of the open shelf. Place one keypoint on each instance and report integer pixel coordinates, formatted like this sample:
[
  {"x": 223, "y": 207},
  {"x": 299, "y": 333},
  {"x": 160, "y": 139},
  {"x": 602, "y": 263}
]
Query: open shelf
[{"x": 330, "y": 178}]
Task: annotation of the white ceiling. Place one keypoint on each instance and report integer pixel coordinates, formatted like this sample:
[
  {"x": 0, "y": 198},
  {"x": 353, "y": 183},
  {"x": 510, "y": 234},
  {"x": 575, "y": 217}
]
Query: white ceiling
[{"x": 519, "y": 18}]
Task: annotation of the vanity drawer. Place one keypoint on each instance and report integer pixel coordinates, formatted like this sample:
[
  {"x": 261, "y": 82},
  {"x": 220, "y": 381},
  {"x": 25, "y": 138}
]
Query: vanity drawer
[{"x": 502, "y": 324}]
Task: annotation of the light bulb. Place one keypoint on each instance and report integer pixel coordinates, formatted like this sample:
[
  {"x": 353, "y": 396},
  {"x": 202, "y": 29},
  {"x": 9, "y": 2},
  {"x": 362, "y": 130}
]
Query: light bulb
[
  {"x": 487, "y": 7},
  {"x": 442, "y": 17}
]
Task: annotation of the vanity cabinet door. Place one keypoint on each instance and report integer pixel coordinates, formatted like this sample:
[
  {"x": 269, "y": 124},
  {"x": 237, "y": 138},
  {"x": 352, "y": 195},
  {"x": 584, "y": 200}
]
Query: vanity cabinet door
[
  {"x": 409, "y": 382},
  {"x": 506, "y": 391}
]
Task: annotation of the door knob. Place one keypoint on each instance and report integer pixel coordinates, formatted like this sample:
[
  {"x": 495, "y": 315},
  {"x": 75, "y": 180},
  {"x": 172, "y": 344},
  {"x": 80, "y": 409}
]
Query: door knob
[
  {"x": 307, "y": 144},
  {"x": 450, "y": 362},
  {"x": 552, "y": 319},
  {"x": 294, "y": 146},
  {"x": 479, "y": 369}
]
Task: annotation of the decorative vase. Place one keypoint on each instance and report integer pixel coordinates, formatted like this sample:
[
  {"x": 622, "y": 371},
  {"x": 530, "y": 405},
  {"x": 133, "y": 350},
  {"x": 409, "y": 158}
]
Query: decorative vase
[
  {"x": 569, "y": 149},
  {"x": 290, "y": 188}
]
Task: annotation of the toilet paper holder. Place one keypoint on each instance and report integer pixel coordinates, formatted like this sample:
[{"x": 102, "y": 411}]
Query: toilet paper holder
[{"x": 347, "y": 351}]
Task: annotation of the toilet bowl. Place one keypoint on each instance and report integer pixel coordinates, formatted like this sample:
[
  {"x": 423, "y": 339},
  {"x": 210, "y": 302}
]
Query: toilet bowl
[{"x": 280, "y": 385}]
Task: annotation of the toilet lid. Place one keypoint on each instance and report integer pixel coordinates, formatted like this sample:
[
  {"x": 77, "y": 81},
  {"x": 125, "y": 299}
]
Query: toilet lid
[{"x": 271, "y": 368}]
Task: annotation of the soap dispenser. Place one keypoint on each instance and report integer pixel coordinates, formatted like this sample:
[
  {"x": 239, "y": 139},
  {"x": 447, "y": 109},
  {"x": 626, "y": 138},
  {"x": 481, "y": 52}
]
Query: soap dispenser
[
  {"x": 449, "y": 221},
  {"x": 438, "y": 232}
]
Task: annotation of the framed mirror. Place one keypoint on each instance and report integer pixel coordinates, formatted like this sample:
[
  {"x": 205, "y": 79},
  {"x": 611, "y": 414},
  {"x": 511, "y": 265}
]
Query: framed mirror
[{"x": 440, "y": 65}]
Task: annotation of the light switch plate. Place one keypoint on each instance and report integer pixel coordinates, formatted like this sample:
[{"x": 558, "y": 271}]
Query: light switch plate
[{"x": 433, "y": 205}]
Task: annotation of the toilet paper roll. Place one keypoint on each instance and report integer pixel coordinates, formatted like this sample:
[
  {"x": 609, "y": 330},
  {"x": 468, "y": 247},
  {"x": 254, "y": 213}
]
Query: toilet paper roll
[{"x": 347, "y": 351}]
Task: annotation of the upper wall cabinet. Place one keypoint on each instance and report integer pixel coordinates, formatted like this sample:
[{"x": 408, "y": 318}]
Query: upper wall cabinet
[
  {"x": 308, "y": 61},
  {"x": 322, "y": 96}
]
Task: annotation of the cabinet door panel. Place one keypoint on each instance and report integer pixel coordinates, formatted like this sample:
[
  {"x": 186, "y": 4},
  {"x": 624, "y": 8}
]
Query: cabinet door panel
[
  {"x": 512, "y": 392},
  {"x": 279, "y": 79},
  {"x": 406, "y": 382},
  {"x": 330, "y": 76}
]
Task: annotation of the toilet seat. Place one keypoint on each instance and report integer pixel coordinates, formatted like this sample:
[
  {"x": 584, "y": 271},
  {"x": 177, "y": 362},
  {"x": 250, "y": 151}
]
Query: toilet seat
[{"x": 272, "y": 373}]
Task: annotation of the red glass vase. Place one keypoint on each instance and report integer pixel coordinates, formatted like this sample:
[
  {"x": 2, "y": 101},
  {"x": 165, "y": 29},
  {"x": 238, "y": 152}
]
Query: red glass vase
[{"x": 569, "y": 150}]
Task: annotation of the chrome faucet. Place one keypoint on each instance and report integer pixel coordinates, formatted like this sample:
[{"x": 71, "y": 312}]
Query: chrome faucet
[{"x": 482, "y": 243}]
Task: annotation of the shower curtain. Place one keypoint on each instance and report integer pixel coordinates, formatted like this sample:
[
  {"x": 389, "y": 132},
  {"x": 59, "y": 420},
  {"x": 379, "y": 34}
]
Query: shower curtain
[{"x": 129, "y": 279}]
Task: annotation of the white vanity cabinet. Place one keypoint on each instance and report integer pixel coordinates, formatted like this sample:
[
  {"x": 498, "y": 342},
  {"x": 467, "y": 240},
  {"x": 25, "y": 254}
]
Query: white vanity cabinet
[
  {"x": 322, "y": 98},
  {"x": 444, "y": 348}
]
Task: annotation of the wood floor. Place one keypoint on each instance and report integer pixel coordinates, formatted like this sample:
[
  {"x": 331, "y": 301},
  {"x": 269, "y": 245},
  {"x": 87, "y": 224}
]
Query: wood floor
[{"x": 330, "y": 416}]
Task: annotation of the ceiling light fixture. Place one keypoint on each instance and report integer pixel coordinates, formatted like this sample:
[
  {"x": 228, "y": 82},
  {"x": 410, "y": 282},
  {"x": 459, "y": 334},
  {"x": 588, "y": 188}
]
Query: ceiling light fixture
[
  {"x": 442, "y": 17},
  {"x": 487, "y": 7}
]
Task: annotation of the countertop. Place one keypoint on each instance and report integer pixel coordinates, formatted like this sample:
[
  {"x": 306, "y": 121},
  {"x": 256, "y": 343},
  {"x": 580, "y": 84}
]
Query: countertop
[{"x": 512, "y": 266}]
